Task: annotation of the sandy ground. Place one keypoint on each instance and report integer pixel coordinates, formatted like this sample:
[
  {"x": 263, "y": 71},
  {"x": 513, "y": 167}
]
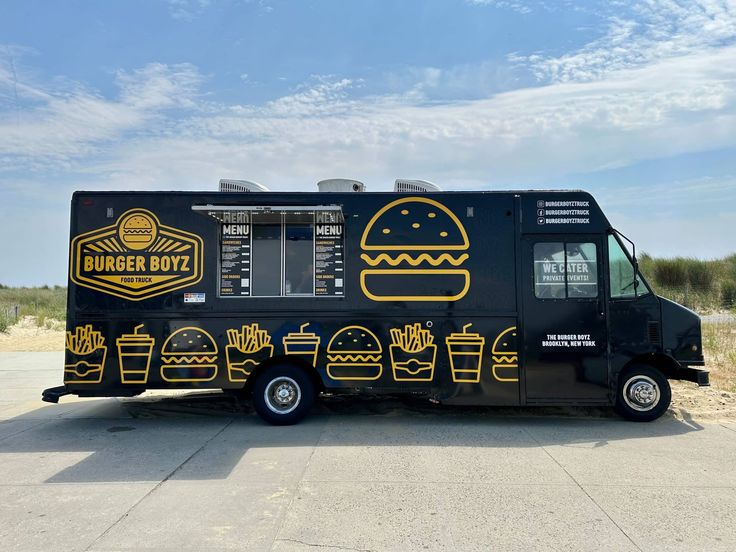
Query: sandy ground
[
  {"x": 27, "y": 336},
  {"x": 703, "y": 403},
  {"x": 688, "y": 400}
]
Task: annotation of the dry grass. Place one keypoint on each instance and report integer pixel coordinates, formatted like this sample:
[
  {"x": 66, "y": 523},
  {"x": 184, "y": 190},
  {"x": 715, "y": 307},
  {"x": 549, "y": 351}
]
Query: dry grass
[
  {"x": 45, "y": 304},
  {"x": 719, "y": 346},
  {"x": 28, "y": 335}
]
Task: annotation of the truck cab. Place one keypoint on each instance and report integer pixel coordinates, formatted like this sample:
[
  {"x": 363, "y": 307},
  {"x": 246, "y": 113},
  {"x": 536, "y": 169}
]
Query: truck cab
[{"x": 593, "y": 330}]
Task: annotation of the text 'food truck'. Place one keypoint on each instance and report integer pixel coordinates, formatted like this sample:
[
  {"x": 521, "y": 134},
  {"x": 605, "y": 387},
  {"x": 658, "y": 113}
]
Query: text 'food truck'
[{"x": 475, "y": 298}]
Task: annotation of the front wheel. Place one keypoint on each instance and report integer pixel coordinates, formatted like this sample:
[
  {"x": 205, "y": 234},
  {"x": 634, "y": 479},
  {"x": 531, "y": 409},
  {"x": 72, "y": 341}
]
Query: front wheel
[
  {"x": 283, "y": 394},
  {"x": 643, "y": 394}
]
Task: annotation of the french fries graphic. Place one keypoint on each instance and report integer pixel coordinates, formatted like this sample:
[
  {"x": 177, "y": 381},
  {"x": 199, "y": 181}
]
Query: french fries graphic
[
  {"x": 246, "y": 348},
  {"x": 413, "y": 353},
  {"x": 85, "y": 355}
]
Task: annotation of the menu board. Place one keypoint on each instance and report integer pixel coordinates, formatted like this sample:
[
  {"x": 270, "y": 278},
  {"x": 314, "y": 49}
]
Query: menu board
[
  {"x": 235, "y": 255},
  {"x": 329, "y": 270},
  {"x": 236, "y": 252}
]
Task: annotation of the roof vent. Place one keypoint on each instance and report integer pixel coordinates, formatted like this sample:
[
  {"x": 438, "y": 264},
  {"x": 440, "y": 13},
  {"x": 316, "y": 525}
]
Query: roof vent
[
  {"x": 340, "y": 185},
  {"x": 228, "y": 185},
  {"x": 404, "y": 185}
]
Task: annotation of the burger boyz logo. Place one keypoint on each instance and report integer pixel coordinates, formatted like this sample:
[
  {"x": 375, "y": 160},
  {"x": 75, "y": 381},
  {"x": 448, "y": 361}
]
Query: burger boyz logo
[
  {"x": 136, "y": 258},
  {"x": 415, "y": 249}
]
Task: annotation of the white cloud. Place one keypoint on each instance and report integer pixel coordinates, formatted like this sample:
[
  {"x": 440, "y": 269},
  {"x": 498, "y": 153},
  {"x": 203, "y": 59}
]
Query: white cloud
[
  {"x": 666, "y": 108},
  {"x": 62, "y": 124},
  {"x": 671, "y": 105},
  {"x": 187, "y": 10},
  {"x": 517, "y": 6},
  {"x": 641, "y": 32}
]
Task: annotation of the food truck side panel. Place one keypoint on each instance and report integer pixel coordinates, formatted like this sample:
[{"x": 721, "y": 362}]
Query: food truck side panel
[{"x": 429, "y": 301}]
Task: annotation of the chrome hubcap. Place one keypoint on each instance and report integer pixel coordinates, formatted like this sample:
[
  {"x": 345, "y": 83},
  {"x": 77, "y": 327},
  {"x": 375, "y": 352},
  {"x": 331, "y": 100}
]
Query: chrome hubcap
[
  {"x": 641, "y": 393},
  {"x": 282, "y": 395}
]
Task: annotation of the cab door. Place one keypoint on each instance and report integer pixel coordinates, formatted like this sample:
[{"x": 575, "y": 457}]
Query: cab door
[{"x": 564, "y": 319}]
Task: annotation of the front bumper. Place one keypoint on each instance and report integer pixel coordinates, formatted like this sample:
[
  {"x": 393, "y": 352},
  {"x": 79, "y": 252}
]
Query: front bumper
[{"x": 695, "y": 375}]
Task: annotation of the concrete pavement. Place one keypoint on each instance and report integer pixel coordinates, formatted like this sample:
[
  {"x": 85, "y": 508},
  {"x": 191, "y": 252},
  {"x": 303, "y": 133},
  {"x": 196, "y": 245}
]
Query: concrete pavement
[{"x": 204, "y": 473}]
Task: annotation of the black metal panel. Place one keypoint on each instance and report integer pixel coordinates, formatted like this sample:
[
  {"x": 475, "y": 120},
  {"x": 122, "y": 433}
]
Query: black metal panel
[
  {"x": 561, "y": 212},
  {"x": 447, "y": 263}
]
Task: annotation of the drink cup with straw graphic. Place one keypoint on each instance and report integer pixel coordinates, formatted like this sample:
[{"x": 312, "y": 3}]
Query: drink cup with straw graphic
[
  {"x": 134, "y": 356},
  {"x": 466, "y": 355},
  {"x": 302, "y": 344}
]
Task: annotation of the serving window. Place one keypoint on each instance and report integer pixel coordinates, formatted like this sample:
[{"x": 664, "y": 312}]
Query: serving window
[{"x": 280, "y": 251}]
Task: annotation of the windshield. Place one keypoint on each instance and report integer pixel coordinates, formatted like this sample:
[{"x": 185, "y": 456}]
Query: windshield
[{"x": 624, "y": 283}]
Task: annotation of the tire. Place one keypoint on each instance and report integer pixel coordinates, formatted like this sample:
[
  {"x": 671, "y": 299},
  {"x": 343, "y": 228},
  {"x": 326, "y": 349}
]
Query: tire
[
  {"x": 297, "y": 394},
  {"x": 643, "y": 393}
]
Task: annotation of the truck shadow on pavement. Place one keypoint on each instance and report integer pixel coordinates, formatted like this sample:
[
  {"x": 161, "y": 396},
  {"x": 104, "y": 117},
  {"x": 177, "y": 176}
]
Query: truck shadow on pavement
[{"x": 206, "y": 436}]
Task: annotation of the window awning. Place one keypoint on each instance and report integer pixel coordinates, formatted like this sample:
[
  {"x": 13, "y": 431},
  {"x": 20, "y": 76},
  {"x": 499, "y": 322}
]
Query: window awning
[{"x": 270, "y": 214}]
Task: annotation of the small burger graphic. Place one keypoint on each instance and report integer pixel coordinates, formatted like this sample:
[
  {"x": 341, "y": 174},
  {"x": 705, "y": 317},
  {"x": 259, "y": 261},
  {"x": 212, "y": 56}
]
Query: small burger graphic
[
  {"x": 189, "y": 355},
  {"x": 137, "y": 230},
  {"x": 505, "y": 357},
  {"x": 354, "y": 353},
  {"x": 415, "y": 249}
]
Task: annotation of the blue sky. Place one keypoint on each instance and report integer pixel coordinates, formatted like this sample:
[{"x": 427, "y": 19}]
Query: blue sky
[{"x": 634, "y": 101}]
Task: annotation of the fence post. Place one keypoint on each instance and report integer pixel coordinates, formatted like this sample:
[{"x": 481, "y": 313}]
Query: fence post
[{"x": 15, "y": 311}]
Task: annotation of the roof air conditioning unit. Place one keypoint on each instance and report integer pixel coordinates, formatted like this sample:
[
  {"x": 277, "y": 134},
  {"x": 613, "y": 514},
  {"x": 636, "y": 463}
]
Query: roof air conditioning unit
[
  {"x": 404, "y": 185},
  {"x": 228, "y": 185},
  {"x": 340, "y": 185}
]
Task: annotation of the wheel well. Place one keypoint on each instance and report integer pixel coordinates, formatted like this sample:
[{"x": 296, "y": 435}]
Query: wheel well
[
  {"x": 665, "y": 364},
  {"x": 310, "y": 370}
]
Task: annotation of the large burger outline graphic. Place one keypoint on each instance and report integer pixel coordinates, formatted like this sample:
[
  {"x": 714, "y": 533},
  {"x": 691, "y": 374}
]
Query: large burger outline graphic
[
  {"x": 138, "y": 229},
  {"x": 354, "y": 353},
  {"x": 189, "y": 355},
  {"x": 415, "y": 248}
]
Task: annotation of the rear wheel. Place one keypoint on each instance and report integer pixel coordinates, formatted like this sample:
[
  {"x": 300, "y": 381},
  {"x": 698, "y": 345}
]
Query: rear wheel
[
  {"x": 283, "y": 394},
  {"x": 643, "y": 394}
]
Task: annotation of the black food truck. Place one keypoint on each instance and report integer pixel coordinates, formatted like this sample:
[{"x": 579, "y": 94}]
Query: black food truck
[{"x": 472, "y": 298}]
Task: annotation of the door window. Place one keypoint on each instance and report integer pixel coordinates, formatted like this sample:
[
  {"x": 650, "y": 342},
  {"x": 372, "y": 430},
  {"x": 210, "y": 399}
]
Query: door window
[
  {"x": 625, "y": 284},
  {"x": 565, "y": 270}
]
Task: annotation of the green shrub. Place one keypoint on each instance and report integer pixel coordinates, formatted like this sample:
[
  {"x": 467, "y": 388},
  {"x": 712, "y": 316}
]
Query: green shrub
[
  {"x": 701, "y": 275},
  {"x": 43, "y": 303},
  {"x": 670, "y": 273},
  {"x": 728, "y": 294}
]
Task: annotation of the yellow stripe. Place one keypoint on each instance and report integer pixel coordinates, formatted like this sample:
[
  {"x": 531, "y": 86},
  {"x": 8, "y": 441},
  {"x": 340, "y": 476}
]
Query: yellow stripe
[
  {"x": 415, "y": 261},
  {"x": 173, "y": 245}
]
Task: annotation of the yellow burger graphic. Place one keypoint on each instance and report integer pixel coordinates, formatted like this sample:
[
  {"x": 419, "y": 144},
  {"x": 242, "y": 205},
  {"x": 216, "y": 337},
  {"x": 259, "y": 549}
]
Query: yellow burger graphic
[
  {"x": 415, "y": 249},
  {"x": 505, "y": 357},
  {"x": 354, "y": 353},
  {"x": 137, "y": 230},
  {"x": 189, "y": 355}
]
